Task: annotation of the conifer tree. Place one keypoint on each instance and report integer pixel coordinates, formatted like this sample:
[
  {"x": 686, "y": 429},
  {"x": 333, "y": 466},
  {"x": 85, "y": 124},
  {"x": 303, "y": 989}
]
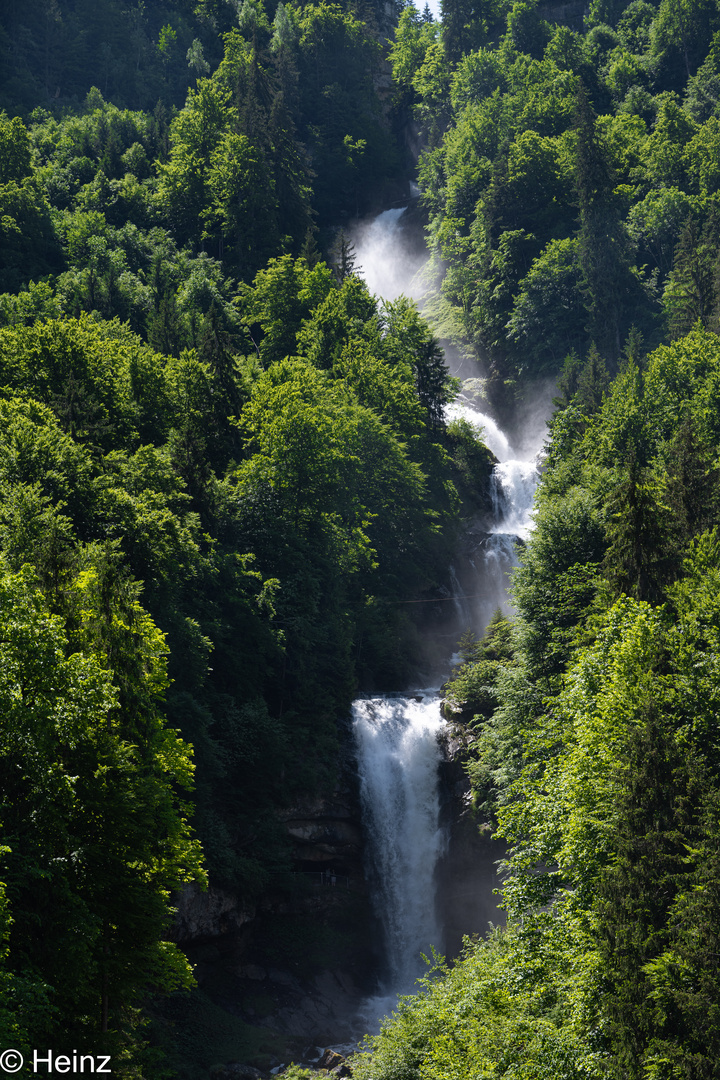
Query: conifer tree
[
  {"x": 567, "y": 383},
  {"x": 163, "y": 321},
  {"x": 603, "y": 245},
  {"x": 633, "y": 352},
  {"x": 593, "y": 383},
  {"x": 693, "y": 485},
  {"x": 292, "y": 184},
  {"x": 343, "y": 258},
  {"x": 685, "y": 978},
  {"x": 309, "y": 251},
  {"x": 637, "y": 562},
  {"x": 691, "y": 293},
  {"x": 636, "y": 891},
  {"x": 254, "y": 110}
]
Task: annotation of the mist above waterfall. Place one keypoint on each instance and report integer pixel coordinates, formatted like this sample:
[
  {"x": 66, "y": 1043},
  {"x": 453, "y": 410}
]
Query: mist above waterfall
[{"x": 387, "y": 258}]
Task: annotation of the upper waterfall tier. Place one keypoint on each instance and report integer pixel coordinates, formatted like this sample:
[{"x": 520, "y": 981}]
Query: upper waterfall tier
[{"x": 386, "y": 258}]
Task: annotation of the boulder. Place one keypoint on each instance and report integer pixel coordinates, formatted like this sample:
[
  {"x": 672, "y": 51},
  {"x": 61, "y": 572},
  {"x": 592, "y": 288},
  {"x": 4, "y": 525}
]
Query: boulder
[{"x": 330, "y": 1060}]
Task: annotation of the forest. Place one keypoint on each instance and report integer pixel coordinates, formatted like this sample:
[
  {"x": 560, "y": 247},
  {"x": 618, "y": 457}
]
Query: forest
[{"x": 226, "y": 470}]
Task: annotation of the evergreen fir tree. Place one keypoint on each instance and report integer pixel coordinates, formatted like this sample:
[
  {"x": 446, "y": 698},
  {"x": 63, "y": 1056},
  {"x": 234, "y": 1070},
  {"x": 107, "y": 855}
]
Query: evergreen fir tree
[
  {"x": 691, "y": 293},
  {"x": 637, "y": 562},
  {"x": 592, "y": 384},
  {"x": 254, "y": 111},
  {"x": 693, "y": 485},
  {"x": 164, "y": 331},
  {"x": 310, "y": 251},
  {"x": 636, "y": 892},
  {"x": 567, "y": 383},
  {"x": 633, "y": 352},
  {"x": 685, "y": 979},
  {"x": 343, "y": 258},
  {"x": 603, "y": 244}
]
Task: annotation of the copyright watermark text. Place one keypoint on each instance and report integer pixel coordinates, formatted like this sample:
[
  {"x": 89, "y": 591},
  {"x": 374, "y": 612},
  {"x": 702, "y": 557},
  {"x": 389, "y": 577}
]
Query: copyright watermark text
[{"x": 12, "y": 1061}]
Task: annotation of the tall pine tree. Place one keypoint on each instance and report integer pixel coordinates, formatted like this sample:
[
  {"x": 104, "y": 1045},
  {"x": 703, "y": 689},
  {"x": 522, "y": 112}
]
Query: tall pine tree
[{"x": 603, "y": 242}]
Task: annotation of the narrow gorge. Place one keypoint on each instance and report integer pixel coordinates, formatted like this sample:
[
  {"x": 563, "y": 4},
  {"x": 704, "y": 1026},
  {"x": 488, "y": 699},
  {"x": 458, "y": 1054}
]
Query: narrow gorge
[
  {"x": 392, "y": 865},
  {"x": 359, "y": 504}
]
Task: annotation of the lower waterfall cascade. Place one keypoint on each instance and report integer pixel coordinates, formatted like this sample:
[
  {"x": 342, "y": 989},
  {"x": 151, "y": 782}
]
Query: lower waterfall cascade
[
  {"x": 399, "y": 755},
  {"x": 397, "y": 744}
]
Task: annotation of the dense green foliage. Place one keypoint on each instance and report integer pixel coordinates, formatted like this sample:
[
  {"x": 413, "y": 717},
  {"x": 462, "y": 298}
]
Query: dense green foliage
[
  {"x": 567, "y": 177},
  {"x": 225, "y": 471},
  {"x": 126, "y": 207},
  {"x": 570, "y": 175},
  {"x": 570, "y": 197},
  {"x": 472, "y": 690},
  {"x": 272, "y": 514}
]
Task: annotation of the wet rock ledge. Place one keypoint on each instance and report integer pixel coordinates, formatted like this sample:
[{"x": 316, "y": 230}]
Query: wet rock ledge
[{"x": 467, "y": 872}]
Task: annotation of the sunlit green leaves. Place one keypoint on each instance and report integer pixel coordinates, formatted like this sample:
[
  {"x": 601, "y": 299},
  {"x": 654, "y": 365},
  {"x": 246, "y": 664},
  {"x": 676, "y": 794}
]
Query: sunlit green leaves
[{"x": 95, "y": 828}]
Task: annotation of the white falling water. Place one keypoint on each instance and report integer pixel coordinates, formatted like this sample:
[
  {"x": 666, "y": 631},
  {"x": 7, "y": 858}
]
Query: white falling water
[
  {"x": 398, "y": 753},
  {"x": 514, "y": 479},
  {"x": 495, "y": 439},
  {"x": 384, "y": 259},
  {"x": 513, "y": 491},
  {"x": 397, "y": 744}
]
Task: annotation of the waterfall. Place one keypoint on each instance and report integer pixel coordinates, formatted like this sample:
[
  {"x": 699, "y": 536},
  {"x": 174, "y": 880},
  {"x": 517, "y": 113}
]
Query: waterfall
[
  {"x": 399, "y": 754},
  {"x": 512, "y": 491},
  {"x": 514, "y": 478},
  {"x": 386, "y": 258},
  {"x": 396, "y": 736},
  {"x": 493, "y": 437}
]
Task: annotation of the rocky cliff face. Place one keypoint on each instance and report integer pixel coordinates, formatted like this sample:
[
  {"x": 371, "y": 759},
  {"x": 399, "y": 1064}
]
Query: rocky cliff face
[
  {"x": 327, "y": 834},
  {"x": 209, "y": 914},
  {"x": 294, "y": 967},
  {"x": 295, "y": 964},
  {"x": 467, "y": 873}
]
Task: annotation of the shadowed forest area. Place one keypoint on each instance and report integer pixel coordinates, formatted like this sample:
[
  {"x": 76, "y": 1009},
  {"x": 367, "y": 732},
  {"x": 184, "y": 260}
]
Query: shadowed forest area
[{"x": 225, "y": 471}]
